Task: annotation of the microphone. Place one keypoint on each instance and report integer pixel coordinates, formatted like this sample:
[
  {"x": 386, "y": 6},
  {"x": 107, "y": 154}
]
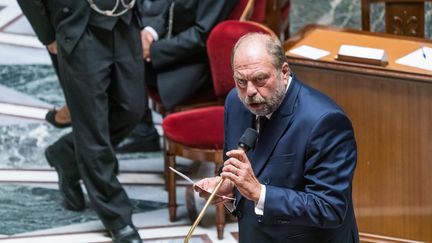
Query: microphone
[{"x": 246, "y": 142}]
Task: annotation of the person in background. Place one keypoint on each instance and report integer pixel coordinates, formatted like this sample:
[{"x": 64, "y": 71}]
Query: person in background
[
  {"x": 174, "y": 44},
  {"x": 296, "y": 184},
  {"x": 144, "y": 138},
  {"x": 101, "y": 68},
  {"x": 45, "y": 31}
]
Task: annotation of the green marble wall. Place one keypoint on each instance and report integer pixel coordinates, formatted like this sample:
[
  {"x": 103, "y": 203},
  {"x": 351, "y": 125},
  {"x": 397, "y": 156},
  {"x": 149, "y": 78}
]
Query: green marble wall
[{"x": 342, "y": 13}]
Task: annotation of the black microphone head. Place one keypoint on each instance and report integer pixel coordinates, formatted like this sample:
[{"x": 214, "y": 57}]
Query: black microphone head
[{"x": 248, "y": 139}]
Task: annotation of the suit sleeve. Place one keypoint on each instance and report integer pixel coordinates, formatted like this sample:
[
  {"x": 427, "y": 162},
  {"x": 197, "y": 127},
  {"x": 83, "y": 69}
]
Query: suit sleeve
[
  {"x": 38, "y": 16},
  {"x": 191, "y": 41},
  {"x": 328, "y": 171},
  {"x": 154, "y": 13}
]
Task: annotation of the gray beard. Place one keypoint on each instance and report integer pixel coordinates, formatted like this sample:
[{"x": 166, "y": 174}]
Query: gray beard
[{"x": 270, "y": 105}]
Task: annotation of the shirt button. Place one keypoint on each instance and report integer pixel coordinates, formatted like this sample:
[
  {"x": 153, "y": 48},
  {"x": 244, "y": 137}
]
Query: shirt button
[
  {"x": 267, "y": 181},
  {"x": 260, "y": 219},
  {"x": 67, "y": 39},
  {"x": 65, "y": 10},
  {"x": 239, "y": 214},
  {"x": 281, "y": 221}
]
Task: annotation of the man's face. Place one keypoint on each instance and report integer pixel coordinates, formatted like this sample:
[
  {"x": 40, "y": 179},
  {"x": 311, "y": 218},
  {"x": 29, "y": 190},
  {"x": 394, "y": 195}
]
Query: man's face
[{"x": 261, "y": 87}]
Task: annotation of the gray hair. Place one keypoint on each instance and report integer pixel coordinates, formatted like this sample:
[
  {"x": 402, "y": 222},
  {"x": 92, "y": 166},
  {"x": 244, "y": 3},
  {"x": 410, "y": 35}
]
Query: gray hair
[{"x": 273, "y": 46}]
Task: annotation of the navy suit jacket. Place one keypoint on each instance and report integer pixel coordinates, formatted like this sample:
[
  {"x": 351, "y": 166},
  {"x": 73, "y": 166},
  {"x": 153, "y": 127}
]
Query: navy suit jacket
[{"x": 305, "y": 156}]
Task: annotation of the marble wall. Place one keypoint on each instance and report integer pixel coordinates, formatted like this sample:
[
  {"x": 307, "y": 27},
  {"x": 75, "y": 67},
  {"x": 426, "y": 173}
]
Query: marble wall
[{"x": 342, "y": 13}]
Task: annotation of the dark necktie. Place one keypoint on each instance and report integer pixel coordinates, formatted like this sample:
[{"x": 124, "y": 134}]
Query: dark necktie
[{"x": 261, "y": 122}]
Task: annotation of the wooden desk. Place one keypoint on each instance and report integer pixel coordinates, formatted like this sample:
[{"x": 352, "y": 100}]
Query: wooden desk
[{"x": 391, "y": 111}]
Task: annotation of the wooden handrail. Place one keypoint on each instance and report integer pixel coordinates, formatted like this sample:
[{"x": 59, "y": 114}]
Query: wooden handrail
[{"x": 247, "y": 12}]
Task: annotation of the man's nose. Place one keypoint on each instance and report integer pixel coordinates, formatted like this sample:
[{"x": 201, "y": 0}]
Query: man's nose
[{"x": 251, "y": 89}]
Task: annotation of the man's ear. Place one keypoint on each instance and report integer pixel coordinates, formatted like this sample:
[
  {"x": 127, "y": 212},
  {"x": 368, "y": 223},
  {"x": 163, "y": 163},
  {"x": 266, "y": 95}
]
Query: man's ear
[{"x": 285, "y": 72}]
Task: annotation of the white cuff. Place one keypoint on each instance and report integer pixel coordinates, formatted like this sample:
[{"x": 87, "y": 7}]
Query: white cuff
[
  {"x": 152, "y": 32},
  {"x": 259, "y": 207}
]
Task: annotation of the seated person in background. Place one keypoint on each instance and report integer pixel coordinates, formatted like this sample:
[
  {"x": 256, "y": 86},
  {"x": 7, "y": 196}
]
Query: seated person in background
[
  {"x": 174, "y": 43},
  {"x": 296, "y": 184}
]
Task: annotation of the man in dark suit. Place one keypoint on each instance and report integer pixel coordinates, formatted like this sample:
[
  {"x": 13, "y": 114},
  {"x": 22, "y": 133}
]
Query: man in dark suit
[
  {"x": 101, "y": 65},
  {"x": 296, "y": 184},
  {"x": 144, "y": 138},
  {"x": 174, "y": 42},
  {"x": 175, "y": 45}
]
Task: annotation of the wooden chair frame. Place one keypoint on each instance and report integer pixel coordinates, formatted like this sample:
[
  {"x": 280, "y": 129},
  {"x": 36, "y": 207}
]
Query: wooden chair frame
[{"x": 173, "y": 149}]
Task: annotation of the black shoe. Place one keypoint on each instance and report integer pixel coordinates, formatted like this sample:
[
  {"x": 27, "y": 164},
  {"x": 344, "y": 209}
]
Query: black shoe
[
  {"x": 50, "y": 118},
  {"x": 140, "y": 141},
  {"x": 127, "y": 234},
  {"x": 73, "y": 196}
]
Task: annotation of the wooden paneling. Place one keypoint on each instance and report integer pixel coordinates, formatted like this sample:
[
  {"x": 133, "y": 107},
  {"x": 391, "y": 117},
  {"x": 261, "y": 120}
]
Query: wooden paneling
[
  {"x": 405, "y": 19},
  {"x": 402, "y": 17},
  {"x": 392, "y": 119},
  {"x": 371, "y": 238}
]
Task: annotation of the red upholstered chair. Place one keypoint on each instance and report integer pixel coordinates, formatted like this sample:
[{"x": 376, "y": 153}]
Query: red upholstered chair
[
  {"x": 198, "y": 134},
  {"x": 272, "y": 13}
]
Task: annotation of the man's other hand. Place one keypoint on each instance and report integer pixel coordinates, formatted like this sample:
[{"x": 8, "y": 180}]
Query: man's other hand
[
  {"x": 52, "y": 47},
  {"x": 206, "y": 186},
  {"x": 146, "y": 41}
]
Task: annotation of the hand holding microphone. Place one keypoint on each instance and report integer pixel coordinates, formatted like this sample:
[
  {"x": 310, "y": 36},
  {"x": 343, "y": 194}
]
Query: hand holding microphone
[
  {"x": 233, "y": 170},
  {"x": 238, "y": 170},
  {"x": 247, "y": 141}
]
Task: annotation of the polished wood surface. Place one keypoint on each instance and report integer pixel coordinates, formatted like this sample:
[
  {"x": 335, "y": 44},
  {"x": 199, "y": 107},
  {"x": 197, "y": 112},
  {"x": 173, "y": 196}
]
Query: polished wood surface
[
  {"x": 391, "y": 111},
  {"x": 331, "y": 38},
  {"x": 402, "y": 17}
]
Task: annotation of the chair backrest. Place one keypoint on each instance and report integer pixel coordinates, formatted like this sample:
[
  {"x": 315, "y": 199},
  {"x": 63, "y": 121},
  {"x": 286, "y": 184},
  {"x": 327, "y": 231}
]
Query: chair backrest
[
  {"x": 219, "y": 46},
  {"x": 401, "y": 17}
]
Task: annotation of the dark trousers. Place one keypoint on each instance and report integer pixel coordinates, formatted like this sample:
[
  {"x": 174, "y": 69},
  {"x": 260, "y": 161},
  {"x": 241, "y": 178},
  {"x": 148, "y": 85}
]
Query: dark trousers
[{"x": 104, "y": 89}]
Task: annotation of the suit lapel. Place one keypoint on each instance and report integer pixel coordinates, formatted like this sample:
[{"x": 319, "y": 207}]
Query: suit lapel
[
  {"x": 274, "y": 129},
  {"x": 267, "y": 140}
]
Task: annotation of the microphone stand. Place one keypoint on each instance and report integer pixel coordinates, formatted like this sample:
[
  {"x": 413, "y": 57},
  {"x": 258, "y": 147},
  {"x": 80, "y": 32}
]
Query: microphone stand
[
  {"x": 247, "y": 141},
  {"x": 198, "y": 219}
]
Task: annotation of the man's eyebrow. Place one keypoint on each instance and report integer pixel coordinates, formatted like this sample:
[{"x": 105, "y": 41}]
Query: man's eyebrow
[
  {"x": 238, "y": 76},
  {"x": 261, "y": 74}
]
